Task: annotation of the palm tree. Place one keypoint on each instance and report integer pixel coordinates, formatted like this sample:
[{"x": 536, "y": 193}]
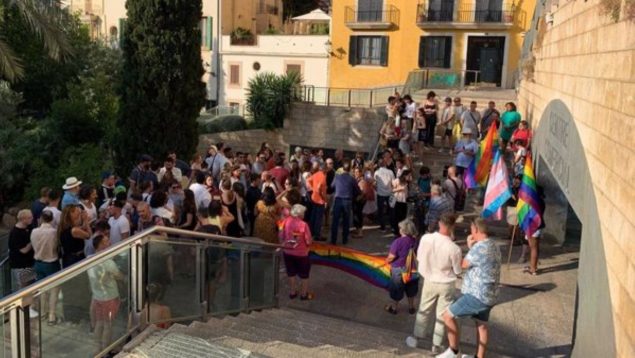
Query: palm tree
[{"x": 42, "y": 17}]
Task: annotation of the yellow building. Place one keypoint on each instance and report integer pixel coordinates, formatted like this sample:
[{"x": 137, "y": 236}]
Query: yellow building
[{"x": 379, "y": 42}]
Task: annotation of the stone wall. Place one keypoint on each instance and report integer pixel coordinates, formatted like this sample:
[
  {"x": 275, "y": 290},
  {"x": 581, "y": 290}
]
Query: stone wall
[
  {"x": 584, "y": 87},
  {"x": 351, "y": 129}
]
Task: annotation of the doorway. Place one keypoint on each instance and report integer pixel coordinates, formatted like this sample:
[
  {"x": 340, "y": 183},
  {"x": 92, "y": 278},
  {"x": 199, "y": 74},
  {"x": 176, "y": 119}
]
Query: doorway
[{"x": 485, "y": 54}]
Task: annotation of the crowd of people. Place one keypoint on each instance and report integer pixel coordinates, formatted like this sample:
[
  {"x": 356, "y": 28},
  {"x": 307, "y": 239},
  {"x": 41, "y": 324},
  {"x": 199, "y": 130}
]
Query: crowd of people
[{"x": 289, "y": 199}]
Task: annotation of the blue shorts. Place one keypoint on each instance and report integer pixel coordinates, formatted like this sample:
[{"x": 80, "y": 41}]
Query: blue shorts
[{"x": 469, "y": 306}]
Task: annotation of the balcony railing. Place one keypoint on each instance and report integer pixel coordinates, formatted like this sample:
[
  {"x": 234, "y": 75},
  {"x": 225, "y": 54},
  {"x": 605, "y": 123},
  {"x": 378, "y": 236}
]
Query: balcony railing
[
  {"x": 347, "y": 97},
  {"x": 160, "y": 276},
  {"x": 372, "y": 19},
  {"x": 466, "y": 16}
]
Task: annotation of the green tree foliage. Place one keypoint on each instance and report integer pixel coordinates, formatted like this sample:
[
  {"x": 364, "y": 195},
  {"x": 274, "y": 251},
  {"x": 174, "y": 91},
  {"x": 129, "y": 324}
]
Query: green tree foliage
[
  {"x": 45, "y": 79},
  {"x": 269, "y": 96},
  {"x": 44, "y": 20},
  {"x": 162, "y": 88}
]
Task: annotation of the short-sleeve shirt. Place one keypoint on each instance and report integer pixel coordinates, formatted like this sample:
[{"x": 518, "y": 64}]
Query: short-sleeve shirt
[
  {"x": 296, "y": 237},
  {"x": 470, "y": 120},
  {"x": 483, "y": 275},
  {"x": 509, "y": 123},
  {"x": 102, "y": 281},
  {"x": 18, "y": 239},
  {"x": 399, "y": 248},
  {"x": 463, "y": 160},
  {"x": 118, "y": 227}
]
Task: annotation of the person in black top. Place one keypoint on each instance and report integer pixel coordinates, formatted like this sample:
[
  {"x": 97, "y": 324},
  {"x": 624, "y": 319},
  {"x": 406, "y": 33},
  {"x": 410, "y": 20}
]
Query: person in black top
[
  {"x": 251, "y": 198},
  {"x": 107, "y": 189},
  {"x": 73, "y": 230},
  {"x": 187, "y": 219},
  {"x": 21, "y": 252},
  {"x": 38, "y": 206}
]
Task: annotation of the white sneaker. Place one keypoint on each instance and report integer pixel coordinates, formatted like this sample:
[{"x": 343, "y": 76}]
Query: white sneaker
[
  {"x": 33, "y": 313},
  {"x": 468, "y": 356},
  {"x": 437, "y": 349},
  {"x": 411, "y": 342},
  {"x": 447, "y": 354}
]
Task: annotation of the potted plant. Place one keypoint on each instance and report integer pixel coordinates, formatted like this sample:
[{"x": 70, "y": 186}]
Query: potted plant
[{"x": 242, "y": 36}]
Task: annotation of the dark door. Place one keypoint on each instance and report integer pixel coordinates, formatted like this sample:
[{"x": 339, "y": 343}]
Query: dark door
[
  {"x": 370, "y": 10},
  {"x": 486, "y": 55}
]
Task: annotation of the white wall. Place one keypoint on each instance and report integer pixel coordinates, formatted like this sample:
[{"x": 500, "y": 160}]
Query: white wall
[{"x": 273, "y": 52}]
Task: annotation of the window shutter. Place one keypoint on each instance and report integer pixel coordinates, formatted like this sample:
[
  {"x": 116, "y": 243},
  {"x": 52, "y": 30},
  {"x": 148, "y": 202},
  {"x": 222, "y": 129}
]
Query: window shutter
[
  {"x": 352, "y": 51},
  {"x": 208, "y": 30},
  {"x": 422, "y": 52},
  {"x": 122, "y": 31},
  {"x": 384, "y": 51},
  {"x": 447, "y": 55}
]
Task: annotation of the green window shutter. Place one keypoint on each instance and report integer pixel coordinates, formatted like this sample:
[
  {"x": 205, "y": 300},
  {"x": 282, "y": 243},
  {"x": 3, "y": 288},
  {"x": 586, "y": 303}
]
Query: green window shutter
[
  {"x": 208, "y": 30},
  {"x": 352, "y": 51},
  {"x": 122, "y": 30},
  {"x": 384, "y": 51}
]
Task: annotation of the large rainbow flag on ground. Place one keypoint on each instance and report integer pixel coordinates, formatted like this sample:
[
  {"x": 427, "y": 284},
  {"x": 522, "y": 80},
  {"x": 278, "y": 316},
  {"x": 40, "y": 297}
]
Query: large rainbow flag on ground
[
  {"x": 372, "y": 269},
  {"x": 528, "y": 207},
  {"x": 478, "y": 171},
  {"x": 498, "y": 191}
]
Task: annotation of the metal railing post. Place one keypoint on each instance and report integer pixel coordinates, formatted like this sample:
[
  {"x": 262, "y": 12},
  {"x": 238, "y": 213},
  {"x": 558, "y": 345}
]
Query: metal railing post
[
  {"x": 20, "y": 332},
  {"x": 349, "y": 97},
  {"x": 328, "y": 96},
  {"x": 371, "y": 99}
]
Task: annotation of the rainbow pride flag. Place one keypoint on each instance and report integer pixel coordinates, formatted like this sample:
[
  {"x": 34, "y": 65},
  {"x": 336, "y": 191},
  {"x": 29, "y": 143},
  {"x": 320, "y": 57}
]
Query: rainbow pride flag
[
  {"x": 528, "y": 208},
  {"x": 372, "y": 269},
  {"x": 478, "y": 171}
]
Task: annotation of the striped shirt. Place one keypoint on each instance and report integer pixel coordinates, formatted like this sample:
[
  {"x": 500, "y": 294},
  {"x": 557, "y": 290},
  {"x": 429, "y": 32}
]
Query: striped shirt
[{"x": 438, "y": 206}]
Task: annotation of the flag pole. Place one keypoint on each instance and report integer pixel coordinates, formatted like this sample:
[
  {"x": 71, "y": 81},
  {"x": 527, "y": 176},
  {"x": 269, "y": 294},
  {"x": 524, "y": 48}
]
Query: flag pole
[{"x": 511, "y": 245}]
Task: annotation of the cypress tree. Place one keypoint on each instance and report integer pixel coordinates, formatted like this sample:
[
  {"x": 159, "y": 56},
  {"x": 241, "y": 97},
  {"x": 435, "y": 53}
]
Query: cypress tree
[{"x": 162, "y": 90}]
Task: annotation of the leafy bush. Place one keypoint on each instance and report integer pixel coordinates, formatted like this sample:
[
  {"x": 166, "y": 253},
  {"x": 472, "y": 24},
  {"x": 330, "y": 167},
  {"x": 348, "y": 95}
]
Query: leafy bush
[
  {"x": 269, "y": 96},
  {"x": 242, "y": 34},
  {"x": 228, "y": 123}
]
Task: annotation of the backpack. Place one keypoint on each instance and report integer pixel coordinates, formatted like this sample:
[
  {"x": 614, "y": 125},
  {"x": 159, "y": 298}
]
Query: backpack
[
  {"x": 410, "y": 272},
  {"x": 459, "y": 199}
]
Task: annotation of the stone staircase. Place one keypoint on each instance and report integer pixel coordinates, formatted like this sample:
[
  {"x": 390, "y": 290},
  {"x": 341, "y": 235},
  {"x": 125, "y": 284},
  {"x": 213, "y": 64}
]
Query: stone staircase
[{"x": 270, "y": 333}]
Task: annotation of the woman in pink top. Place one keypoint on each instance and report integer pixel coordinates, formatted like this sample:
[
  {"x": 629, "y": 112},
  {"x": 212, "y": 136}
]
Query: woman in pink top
[{"x": 295, "y": 237}]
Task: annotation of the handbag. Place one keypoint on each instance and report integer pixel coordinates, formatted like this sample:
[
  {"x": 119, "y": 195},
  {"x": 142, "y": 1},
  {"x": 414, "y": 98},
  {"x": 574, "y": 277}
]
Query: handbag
[{"x": 410, "y": 272}]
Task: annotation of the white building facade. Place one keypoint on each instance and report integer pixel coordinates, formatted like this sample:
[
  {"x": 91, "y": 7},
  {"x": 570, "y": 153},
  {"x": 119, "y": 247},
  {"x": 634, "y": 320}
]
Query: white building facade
[{"x": 280, "y": 54}]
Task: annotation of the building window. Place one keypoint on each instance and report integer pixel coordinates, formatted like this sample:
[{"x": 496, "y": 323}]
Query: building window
[
  {"x": 293, "y": 67},
  {"x": 205, "y": 25},
  {"x": 368, "y": 50},
  {"x": 234, "y": 75},
  {"x": 370, "y": 10},
  {"x": 435, "y": 51}
]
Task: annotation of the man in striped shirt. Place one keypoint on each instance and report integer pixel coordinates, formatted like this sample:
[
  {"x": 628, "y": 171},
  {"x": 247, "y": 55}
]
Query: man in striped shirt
[{"x": 439, "y": 204}]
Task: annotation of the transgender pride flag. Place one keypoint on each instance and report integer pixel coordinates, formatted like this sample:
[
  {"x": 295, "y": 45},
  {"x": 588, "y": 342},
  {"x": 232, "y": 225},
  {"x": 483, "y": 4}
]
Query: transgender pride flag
[{"x": 497, "y": 192}]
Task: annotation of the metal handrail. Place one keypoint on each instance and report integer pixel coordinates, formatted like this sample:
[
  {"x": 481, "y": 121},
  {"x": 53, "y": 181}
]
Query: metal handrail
[
  {"x": 308, "y": 94},
  {"x": 137, "y": 239}
]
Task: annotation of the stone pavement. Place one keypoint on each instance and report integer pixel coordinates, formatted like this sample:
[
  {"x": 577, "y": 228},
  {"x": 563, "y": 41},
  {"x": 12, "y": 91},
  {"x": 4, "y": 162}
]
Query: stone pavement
[{"x": 534, "y": 317}]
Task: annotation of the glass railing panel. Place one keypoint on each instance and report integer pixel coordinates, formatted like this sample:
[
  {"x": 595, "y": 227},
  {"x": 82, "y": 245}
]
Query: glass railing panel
[
  {"x": 171, "y": 281},
  {"x": 262, "y": 273},
  {"x": 86, "y": 313},
  {"x": 223, "y": 283}
]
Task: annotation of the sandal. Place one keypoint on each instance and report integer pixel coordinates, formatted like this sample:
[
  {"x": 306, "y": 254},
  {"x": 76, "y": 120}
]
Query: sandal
[
  {"x": 54, "y": 322},
  {"x": 412, "y": 310},
  {"x": 293, "y": 295},
  {"x": 528, "y": 271},
  {"x": 390, "y": 309},
  {"x": 307, "y": 297}
]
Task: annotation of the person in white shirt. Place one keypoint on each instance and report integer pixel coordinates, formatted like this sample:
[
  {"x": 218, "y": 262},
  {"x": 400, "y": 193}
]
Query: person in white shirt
[
  {"x": 169, "y": 169},
  {"x": 119, "y": 225},
  {"x": 54, "y": 202},
  {"x": 202, "y": 197},
  {"x": 470, "y": 119},
  {"x": 384, "y": 178},
  {"x": 45, "y": 251},
  {"x": 439, "y": 261}
]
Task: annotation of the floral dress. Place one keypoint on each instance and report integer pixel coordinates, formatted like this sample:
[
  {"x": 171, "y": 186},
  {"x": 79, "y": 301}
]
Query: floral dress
[{"x": 266, "y": 227}]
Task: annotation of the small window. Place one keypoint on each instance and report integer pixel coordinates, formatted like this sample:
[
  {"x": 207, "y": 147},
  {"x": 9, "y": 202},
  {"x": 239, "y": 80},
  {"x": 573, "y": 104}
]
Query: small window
[
  {"x": 435, "y": 51},
  {"x": 368, "y": 50},
  {"x": 234, "y": 75},
  {"x": 294, "y": 68}
]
